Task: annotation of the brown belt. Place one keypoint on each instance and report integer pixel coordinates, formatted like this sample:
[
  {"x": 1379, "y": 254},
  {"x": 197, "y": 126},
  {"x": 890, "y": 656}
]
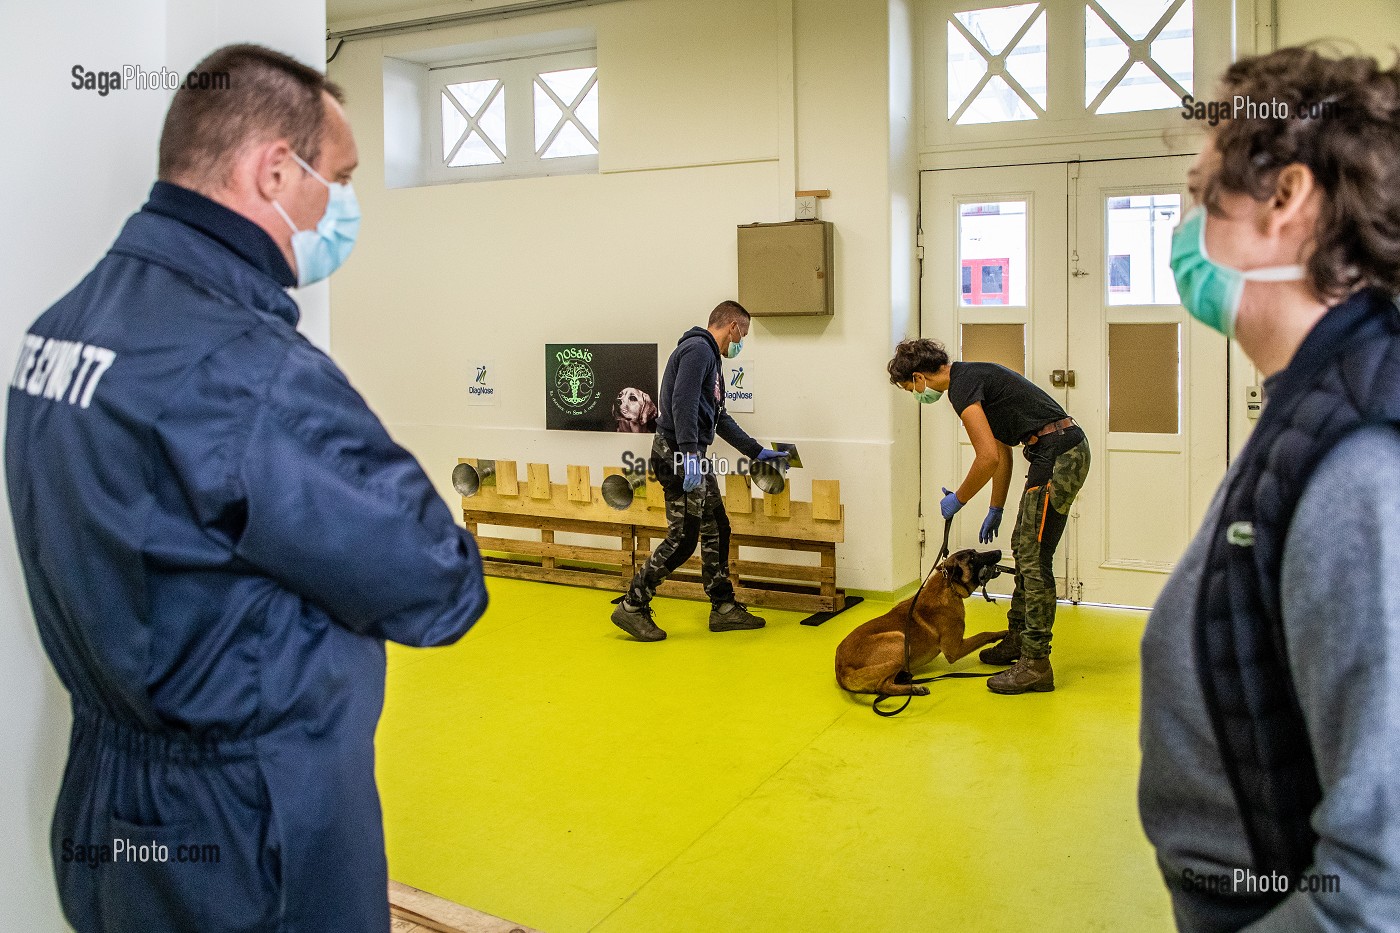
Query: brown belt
[{"x": 1054, "y": 427}]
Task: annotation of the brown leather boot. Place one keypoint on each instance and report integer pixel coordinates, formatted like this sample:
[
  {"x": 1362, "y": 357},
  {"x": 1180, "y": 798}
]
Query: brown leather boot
[
  {"x": 1029, "y": 674},
  {"x": 1006, "y": 651}
]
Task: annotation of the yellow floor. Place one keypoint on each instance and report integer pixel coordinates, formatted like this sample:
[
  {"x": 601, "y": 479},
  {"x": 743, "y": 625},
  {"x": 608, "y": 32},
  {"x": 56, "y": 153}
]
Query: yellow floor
[{"x": 550, "y": 770}]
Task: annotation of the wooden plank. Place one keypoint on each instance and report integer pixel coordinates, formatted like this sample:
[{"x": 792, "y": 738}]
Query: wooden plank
[
  {"x": 579, "y": 488},
  {"x": 826, "y": 500},
  {"x": 779, "y": 505},
  {"x": 756, "y": 568},
  {"x": 538, "y": 479},
  {"x": 507, "y": 478},
  {"x": 656, "y": 496},
  {"x": 593, "y": 578},
  {"x": 547, "y": 540},
  {"x": 798, "y": 525},
  {"x": 504, "y": 519},
  {"x": 748, "y": 569},
  {"x": 780, "y": 544},
  {"x": 754, "y": 596},
  {"x": 629, "y": 547},
  {"x": 828, "y": 558},
  {"x": 611, "y": 471},
  {"x": 443, "y": 916},
  {"x": 738, "y": 497},
  {"x": 602, "y": 555}
]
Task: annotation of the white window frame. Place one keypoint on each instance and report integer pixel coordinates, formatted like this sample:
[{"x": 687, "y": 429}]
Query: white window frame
[
  {"x": 517, "y": 76},
  {"x": 1068, "y": 130}
]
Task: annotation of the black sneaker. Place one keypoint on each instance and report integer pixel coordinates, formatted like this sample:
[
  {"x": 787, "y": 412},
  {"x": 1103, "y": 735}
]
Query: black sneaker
[
  {"x": 732, "y": 617},
  {"x": 1006, "y": 651},
  {"x": 636, "y": 621}
]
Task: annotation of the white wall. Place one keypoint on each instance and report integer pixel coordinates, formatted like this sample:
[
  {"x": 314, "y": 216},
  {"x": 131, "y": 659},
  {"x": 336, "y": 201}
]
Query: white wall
[
  {"x": 74, "y": 166},
  {"x": 1369, "y": 26},
  {"x": 711, "y": 115}
]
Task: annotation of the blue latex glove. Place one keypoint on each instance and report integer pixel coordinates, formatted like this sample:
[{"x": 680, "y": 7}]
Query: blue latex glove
[
  {"x": 990, "y": 525},
  {"x": 693, "y": 479},
  {"x": 950, "y": 504},
  {"x": 766, "y": 454}
]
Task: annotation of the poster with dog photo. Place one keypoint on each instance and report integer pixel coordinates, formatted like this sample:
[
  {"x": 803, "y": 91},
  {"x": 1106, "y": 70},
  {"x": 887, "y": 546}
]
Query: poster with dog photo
[{"x": 608, "y": 387}]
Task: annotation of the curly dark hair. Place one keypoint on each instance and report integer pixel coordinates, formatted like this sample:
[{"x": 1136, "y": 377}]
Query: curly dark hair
[
  {"x": 916, "y": 356},
  {"x": 1343, "y": 123}
]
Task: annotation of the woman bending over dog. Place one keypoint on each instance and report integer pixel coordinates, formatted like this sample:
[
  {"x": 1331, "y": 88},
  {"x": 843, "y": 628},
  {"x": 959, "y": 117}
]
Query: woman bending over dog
[{"x": 1001, "y": 408}]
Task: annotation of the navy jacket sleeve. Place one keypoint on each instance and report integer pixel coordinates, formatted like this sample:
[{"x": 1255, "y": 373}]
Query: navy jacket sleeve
[
  {"x": 685, "y": 395},
  {"x": 340, "y": 514},
  {"x": 729, "y": 429}
]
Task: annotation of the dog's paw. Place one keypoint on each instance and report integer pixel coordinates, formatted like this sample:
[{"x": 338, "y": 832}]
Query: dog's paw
[{"x": 920, "y": 690}]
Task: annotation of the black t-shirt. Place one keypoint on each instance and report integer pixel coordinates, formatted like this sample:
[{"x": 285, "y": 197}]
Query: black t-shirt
[{"x": 1015, "y": 406}]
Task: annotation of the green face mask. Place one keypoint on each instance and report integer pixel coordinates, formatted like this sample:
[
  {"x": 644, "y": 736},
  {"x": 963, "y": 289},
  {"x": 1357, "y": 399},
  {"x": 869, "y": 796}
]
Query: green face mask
[
  {"x": 1210, "y": 291},
  {"x": 928, "y": 396}
]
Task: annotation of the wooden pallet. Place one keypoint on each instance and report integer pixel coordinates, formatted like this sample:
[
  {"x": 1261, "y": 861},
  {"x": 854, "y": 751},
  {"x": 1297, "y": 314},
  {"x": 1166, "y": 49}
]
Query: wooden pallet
[
  {"x": 774, "y": 521},
  {"x": 415, "y": 911}
]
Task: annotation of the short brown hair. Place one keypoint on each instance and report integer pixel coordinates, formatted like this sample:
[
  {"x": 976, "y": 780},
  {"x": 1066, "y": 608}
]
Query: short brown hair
[
  {"x": 916, "y": 356},
  {"x": 268, "y": 96},
  {"x": 726, "y": 313},
  {"x": 1344, "y": 125}
]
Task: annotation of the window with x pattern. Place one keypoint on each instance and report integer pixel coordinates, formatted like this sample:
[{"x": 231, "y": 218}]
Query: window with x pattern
[
  {"x": 1138, "y": 54},
  {"x": 532, "y": 115}
]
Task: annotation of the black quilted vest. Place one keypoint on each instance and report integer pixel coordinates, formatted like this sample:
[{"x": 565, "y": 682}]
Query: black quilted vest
[{"x": 1345, "y": 375}]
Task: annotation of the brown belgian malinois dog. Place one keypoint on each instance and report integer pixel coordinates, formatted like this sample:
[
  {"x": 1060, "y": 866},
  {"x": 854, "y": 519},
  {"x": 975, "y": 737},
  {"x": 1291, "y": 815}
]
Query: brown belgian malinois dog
[{"x": 869, "y": 659}]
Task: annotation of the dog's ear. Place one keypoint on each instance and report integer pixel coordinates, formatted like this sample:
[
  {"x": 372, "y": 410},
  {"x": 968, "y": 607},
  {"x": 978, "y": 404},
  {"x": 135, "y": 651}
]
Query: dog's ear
[
  {"x": 649, "y": 410},
  {"x": 962, "y": 567}
]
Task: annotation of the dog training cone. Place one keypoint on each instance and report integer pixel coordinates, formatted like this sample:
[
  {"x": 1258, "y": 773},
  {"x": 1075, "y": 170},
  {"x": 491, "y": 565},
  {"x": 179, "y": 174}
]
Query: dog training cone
[
  {"x": 467, "y": 480},
  {"x": 620, "y": 489},
  {"x": 767, "y": 477}
]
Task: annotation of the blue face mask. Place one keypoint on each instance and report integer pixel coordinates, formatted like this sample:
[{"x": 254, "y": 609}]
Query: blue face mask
[
  {"x": 735, "y": 346},
  {"x": 320, "y": 252},
  {"x": 1210, "y": 291}
]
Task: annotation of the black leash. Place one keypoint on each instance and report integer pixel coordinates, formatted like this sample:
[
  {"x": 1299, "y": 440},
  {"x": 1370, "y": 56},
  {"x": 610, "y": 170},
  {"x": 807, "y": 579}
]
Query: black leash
[{"x": 905, "y": 676}]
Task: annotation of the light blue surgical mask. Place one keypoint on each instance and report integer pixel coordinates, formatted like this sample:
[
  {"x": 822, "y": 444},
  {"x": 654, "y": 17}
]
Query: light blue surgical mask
[
  {"x": 1210, "y": 291},
  {"x": 320, "y": 252},
  {"x": 735, "y": 346}
]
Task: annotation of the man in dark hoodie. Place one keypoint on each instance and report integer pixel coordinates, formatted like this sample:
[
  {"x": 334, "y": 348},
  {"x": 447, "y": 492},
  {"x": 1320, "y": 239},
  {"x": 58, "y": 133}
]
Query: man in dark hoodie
[{"x": 691, "y": 413}]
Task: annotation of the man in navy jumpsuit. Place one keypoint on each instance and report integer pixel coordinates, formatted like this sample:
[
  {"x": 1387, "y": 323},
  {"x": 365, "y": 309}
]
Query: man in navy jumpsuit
[{"x": 218, "y": 536}]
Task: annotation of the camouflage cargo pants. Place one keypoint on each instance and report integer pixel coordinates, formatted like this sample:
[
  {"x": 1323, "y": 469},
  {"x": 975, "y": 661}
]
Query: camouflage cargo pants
[
  {"x": 1057, "y": 472},
  {"x": 690, "y": 517}
]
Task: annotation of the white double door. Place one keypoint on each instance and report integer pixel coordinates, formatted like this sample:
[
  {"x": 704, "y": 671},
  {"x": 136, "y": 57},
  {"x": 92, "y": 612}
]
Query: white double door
[{"x": 1060, "y": 271}]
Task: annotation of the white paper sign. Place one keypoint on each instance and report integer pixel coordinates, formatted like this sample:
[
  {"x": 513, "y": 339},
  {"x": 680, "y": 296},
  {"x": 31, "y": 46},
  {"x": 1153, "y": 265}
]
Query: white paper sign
[
  {"x": 739, "y": 391},
  {"x": 482, "y": 387}
]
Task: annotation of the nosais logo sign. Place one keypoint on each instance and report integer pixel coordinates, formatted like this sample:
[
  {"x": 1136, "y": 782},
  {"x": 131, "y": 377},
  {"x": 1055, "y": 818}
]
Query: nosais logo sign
[
  {"x": 575, "y": 389},
  {"x": 601, "y": 387},
  {"x": 481, "y": 385},
  {"x": 134, "y": 77}
]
